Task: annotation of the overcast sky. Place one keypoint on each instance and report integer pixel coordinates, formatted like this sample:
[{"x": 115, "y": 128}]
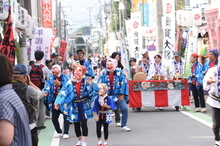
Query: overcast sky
[{"x": 77, "y": 11}]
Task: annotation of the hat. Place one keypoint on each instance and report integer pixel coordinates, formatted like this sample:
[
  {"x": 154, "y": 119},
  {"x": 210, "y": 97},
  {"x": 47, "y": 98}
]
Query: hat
[
  {"x": 143, "y": 51},
  {"x": 176, "y": 53},
  {"x": 54, "y": 54},
  {"x": 132, "y": 59},
  {"x": 20, "y": 69},
  {"x": 194, "y": 55},
  {"x": 215, "y": 52}
]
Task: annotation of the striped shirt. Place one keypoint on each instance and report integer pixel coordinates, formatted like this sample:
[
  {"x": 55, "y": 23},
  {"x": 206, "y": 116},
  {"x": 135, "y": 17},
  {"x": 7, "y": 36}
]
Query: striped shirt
[{"x": 13, "y": 110}]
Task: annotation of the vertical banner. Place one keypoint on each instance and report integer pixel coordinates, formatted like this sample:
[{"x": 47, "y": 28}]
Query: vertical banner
[
  {"x": 146, "y": 13},
  {"x": 47, "y": 13},
  {"x": 213, "y": 29},
  {"x": 41, "y": 42},
  {"x": 136, "y": 42},
  {"x": 124, "y": 54},
  {"x": 169, "y": 29},
  {"x": 63, "y": 47},
  {"x": 53, "y": 36},
  {"x": 7, "y": 46}
]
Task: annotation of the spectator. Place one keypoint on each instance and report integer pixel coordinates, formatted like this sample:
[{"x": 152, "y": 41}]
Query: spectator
[
  {"x": 14, "y": 125},
  {"x": 29, "y": 95},
  {"x": 46, "y": 74},
  {"x": 56, "y": 60},
  {"x": 115, "y": 55}
]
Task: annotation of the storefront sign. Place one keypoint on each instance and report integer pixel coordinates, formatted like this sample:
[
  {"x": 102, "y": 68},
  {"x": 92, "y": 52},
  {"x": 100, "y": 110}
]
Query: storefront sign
[
  {"x": 213, "y": 29},
  {"x": 47, "y": 13}
]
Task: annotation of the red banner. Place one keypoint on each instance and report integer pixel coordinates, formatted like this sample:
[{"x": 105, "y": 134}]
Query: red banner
[
  {"x": 63, "y": 47},
  {"x": 52, "y": 39},
  {"x": 8, "y": 45},
  {"x": 47, "y": 13},
  {"x": 213, "y": 29}
]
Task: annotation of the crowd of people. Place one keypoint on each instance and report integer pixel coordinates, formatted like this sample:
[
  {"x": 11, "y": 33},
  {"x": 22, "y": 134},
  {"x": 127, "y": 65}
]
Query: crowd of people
[{"x": 68, "y": 88}]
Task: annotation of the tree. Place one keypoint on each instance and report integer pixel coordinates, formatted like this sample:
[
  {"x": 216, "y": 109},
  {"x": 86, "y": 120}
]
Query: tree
[
  {"x": 80, "y": 40},
  {"x": 85, "y": 30}
]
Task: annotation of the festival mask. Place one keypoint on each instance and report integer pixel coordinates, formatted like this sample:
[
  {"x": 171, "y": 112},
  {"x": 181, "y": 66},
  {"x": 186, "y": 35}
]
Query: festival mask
[
  {"x": 79, "y": 72},
  {"x": 111, "y": 65},
  {"x": 56, "y": 70}
]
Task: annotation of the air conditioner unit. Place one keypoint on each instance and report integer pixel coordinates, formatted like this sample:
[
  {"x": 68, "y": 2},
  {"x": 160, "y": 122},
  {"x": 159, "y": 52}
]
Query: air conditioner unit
[{"x": 4, "y": 5}]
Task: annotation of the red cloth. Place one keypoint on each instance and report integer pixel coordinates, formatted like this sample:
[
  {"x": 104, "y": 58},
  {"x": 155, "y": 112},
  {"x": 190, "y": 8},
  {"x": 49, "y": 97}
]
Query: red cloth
[
  {"x": 78, "y": 85},
  {"x": 57, "y": 87},
  {"x": 212, "y": 64},
  {"x": 111, "y": 80}
]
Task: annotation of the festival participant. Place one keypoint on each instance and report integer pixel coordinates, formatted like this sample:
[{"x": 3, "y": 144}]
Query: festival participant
[
  {"x": 211, "y": 84},
  {"x": 134, "y": 67},
  {"x": 75, "y": 99},
  {"x": 102, "y": 112},
  {"x": 85, "y": 63},
  {"x": 51, "y": 90},
  {"x": 176, "y": 66},
  {"x": 118, "y": 88},
  {"x": 213, "y": 60},
  {"x": 196, "y": 78},
  {"x": 157, "y": 68},
  {"x": 146, "y": 61}
]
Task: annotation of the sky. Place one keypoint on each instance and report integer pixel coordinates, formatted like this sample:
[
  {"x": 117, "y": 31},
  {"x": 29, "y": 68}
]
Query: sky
[{"x": 78, "y": 14}]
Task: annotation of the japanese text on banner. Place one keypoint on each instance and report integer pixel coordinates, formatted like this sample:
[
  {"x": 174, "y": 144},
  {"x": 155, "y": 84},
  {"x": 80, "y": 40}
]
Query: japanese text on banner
[{"x": 47, "y": 13}]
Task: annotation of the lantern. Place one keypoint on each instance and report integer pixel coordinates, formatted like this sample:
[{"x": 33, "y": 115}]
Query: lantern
[
  {"x": 179, "y": 16},
  {"x": 22, "y": 18},
  {"x": 187, "y": 18},
  {"x": 197, "y": 17},
  {"x": 4, "y": 5}
]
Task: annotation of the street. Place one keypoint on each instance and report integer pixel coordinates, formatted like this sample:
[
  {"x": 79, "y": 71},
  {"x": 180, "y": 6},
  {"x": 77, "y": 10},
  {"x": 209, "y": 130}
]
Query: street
[{"x": 149, "y": 127}]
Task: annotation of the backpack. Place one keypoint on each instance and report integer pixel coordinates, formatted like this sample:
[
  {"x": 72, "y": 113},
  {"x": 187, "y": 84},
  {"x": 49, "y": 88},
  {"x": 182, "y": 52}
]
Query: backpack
[
  {"x": 36, "y": 75},
  {"x": 21, "y": 90}
]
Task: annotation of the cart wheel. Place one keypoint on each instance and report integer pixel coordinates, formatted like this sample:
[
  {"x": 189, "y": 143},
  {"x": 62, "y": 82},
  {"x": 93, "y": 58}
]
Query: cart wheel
[
  {"x": 177, "y": 108},
  {"x": 139, "y": 109},
  {"x": 134, "y": 108}
]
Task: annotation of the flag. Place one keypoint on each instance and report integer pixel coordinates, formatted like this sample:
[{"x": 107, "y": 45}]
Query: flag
[
  {"x": 7, "y": 44},
  {"x": 158, "y": 98}
]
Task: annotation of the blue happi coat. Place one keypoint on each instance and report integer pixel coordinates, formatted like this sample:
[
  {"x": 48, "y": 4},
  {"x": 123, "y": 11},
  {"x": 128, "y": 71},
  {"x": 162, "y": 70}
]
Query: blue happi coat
[
  {"x": 110, "y": 103},
  {"x": 120, "y": 84},
  {"x": 50, "y": 88},
  {"x": 198, "y": 73},
  {"x": 89, "y": 70},
  {"x": 67, "y": 95},
  {"x": 206, "y": 66}
]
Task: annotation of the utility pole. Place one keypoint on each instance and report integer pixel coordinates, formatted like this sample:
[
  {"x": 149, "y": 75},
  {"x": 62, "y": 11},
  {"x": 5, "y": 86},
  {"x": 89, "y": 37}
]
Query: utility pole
[
  {"x": 143, "y": 37},
  {"x": 90, "y": 28},
  {"x": 158, "y": 23},
  {"x": 22, "y": 40}
]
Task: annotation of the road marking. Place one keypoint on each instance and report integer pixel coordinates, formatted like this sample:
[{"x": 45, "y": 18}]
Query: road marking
[
  {"x": 201, "y": 117},
  {"x": 56, "y": 141}
]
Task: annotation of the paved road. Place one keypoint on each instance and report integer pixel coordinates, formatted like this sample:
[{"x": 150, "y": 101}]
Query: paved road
[{"x": 149, "y": 128}]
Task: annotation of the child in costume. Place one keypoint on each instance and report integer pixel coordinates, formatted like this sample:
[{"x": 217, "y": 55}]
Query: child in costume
[{"x": 102, "y": 109}]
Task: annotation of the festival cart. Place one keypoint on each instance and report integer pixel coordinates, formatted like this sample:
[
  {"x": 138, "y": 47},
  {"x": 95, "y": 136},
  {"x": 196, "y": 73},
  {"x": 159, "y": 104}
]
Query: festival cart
[{"x": 159, "y": 93}]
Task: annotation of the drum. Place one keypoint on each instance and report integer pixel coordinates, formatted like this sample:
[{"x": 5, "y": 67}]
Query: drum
[{"x": 140, "y": 76}]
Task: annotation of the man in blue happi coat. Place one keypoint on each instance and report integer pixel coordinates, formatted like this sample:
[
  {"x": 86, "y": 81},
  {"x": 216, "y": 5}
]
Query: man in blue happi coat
[
  {"x": 85, "y": 63},
  {"x": 51, "y": 90},
  {"x": 75, "y": 99},
  {"x": 118, "y": 88},
  {"x": 213, "y": 60}
]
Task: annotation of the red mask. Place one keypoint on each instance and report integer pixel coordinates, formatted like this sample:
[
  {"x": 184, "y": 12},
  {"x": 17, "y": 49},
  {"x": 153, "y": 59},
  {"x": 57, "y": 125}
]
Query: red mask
[
  {"x": 56, "y": 71},
  {"x": 79, "y": 72}
]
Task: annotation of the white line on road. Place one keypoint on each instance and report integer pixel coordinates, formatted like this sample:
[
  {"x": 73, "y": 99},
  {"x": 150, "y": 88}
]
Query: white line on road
[
  {"x": 198, "y": 119},
  {"x": 56, "y": 141}
]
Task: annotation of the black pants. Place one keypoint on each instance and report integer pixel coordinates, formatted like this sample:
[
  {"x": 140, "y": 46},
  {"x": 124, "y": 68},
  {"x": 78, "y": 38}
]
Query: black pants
[
  {"x": 198, "y": 95},
  {"x": 117, "y": 115},
  {"x": 34, "y": 137},
  {"x": 55, "y": 116},
  {"x": 99, "y": 126},
  {"x": 216, "y": 122},
  {"x": 78, "y": 125}
]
